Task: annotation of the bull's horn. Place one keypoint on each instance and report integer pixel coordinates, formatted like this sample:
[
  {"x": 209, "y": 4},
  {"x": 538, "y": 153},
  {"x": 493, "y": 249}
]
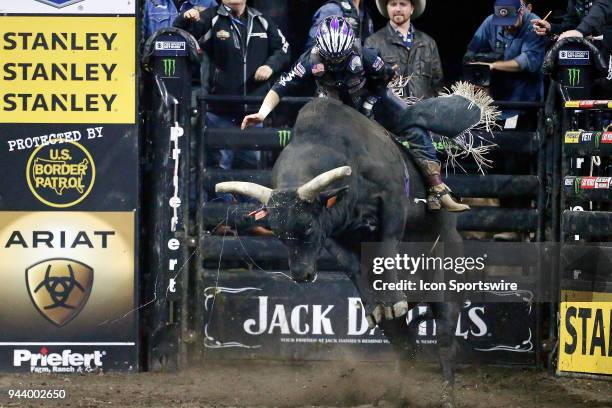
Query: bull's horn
[
  {"x": 309, "y": 191},
  {"x": 253, "y": 190}
]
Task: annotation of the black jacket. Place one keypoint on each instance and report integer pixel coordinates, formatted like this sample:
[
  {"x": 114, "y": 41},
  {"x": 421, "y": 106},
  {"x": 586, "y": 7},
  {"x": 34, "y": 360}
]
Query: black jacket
[
  {"x": 599, "y": 21},
  {"x": 230, "y": 61},
  {"x": 421, "y": 63},
  {"x": 576, "y": 10}
]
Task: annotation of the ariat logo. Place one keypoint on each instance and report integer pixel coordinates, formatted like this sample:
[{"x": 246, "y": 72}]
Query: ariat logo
[
  {"x": 169, "y": 67},
  {"x": 59, "y": 3},
  {"x": 284, "y": 137},
  {"x": 61, "y": 177},
  {"x": 59, "y": 288},
  {"x": 573, "y": 76}
]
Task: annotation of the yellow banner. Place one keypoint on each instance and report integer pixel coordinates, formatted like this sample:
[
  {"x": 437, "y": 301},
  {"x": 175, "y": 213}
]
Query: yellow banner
[
  {"x": 66, "y": 273},
  {"x": 67, "y": 69},
  {"x": 586, "y": 332}
]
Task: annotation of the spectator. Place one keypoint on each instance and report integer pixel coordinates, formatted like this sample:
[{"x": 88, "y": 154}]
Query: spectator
[
  {"x": 278, "y": 11},
  {"x": 576, "y": 10},
  {"x": 411, "y": 52},
  {"x": 354, "y": 11},
  {"x": 242, "y": 49},
  {"x": 518, "y": 50},
  {"x": 161, "y": 13}
]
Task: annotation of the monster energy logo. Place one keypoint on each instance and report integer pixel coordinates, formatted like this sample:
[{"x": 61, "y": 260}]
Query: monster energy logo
[
  {"x": 597, "y": 139},
  {"x": 573, "y": 76},
  {"x": 284, "y": 136},
  {"x": 577, "y": 182},
  {"x": 169, "y": 67}
]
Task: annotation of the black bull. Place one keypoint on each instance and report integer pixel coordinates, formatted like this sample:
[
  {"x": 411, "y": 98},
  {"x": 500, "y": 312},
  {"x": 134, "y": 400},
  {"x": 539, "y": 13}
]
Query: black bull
[{"x": 340, "y": 182}]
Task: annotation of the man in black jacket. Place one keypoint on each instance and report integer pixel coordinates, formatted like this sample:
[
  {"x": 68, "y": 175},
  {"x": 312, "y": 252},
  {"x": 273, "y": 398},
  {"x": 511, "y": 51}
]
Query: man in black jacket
[
  {"x": 242, "y": 50},
  {"x": 411, "y": 52},
  {"x": 576, "y": 11}
]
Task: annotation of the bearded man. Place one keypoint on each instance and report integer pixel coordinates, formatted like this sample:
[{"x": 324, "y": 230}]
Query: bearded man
[{"x": 412, "y": 53}]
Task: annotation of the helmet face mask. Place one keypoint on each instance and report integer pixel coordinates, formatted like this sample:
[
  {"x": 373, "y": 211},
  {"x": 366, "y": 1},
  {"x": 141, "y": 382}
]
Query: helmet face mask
[{"x": 335, "y": 39}]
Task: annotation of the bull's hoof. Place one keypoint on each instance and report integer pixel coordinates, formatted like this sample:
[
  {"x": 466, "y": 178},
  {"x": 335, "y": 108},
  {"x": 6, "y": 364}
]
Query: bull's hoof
[{"x": 381, "y": 312}]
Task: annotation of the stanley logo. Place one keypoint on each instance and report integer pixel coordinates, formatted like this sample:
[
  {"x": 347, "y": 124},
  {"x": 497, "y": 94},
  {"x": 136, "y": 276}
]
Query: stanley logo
[
  {"x": 573, "y": 76},
  {"x": 169, "y": 67},
  {"x": 59, "y": 288},
  {"x": 284, "y": 137}
]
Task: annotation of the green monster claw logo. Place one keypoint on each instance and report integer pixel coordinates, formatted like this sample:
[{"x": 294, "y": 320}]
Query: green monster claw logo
[
  {"x": 597, "y": 139},
  {"x": 169, "y": 67},
  {"x": 439, "y": 146},
  {"x": 577, "y": 182},
  {"x": 284, "y": 136},
  {"x": 573, "y": 76}
]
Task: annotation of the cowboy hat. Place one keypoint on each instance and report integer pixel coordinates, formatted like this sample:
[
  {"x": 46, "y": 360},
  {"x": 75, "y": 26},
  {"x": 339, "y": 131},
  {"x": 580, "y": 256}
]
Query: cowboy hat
[{"x": 419, "y": 7}]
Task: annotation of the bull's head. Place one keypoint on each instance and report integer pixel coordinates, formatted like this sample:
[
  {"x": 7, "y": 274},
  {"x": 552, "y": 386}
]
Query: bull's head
[{"x": 299, "y": 217}]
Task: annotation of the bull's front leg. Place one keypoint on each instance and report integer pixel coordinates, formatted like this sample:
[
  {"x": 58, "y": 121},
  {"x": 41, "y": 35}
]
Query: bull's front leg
[
  {"x": 388, "y": 304},
  {"x": 349, "y": 262}
]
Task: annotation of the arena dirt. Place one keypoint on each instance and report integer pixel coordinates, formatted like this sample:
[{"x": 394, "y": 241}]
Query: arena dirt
[{"x": 322, "y": 384}]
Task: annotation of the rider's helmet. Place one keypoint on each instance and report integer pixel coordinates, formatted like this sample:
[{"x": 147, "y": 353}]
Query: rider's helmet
[{"x": 335, "y": 39}]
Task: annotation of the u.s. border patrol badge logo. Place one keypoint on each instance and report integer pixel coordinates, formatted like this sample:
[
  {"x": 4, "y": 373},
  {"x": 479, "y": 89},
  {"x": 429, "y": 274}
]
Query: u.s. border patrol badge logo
[
  {"x": 59, "y": 3},
  {"x": 59, "y": 288}
]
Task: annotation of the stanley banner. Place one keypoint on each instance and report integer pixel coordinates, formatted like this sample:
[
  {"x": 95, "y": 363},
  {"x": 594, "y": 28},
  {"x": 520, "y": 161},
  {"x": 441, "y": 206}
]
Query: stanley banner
[
  {"x": 586, "y": 332},
  {"x": 68, "y": 280},
  {"x": 67, "y": 70}
]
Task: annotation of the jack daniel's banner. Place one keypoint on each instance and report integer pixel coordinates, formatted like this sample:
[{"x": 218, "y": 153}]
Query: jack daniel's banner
[{"x": 266, "y": 315}]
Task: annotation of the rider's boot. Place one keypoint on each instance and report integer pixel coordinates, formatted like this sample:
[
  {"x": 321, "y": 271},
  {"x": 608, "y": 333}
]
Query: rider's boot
[{"x": 438, "y": 195}]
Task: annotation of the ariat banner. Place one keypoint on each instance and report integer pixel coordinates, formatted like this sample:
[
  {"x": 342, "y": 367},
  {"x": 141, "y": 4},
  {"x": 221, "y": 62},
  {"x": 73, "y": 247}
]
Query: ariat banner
[
  {"x": 586, "y": 332},
  {"x": 68, "y": 279},
  {"x": 126, "y": 7},
  {"x": 67, "y": 70}
]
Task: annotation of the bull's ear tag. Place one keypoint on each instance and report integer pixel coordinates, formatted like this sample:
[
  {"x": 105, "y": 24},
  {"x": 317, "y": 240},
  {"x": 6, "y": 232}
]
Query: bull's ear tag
[
  {"x": 331, "y": 201},
  {"x": 258, "y": 214}
]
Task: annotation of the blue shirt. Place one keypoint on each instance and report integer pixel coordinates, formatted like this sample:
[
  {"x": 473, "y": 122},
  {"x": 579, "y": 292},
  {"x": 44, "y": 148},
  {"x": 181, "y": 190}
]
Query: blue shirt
[
  {"x": 408, "y": 39},
  {"x": 525, "y": 47},
  {"x": 160, "y": 14}
]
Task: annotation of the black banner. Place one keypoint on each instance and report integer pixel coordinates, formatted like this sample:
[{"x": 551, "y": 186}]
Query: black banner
[
  {"x": 68, "y": 166},
  {"x": 267, "y": 315}
]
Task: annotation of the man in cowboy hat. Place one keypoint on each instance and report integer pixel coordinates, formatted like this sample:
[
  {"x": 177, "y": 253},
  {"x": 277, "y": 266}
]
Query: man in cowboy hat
[{"x": 413, "y": 53}]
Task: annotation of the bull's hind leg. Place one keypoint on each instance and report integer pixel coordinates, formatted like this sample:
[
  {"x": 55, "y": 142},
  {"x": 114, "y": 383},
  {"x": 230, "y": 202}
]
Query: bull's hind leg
[{"x": 446, "y": 315}]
